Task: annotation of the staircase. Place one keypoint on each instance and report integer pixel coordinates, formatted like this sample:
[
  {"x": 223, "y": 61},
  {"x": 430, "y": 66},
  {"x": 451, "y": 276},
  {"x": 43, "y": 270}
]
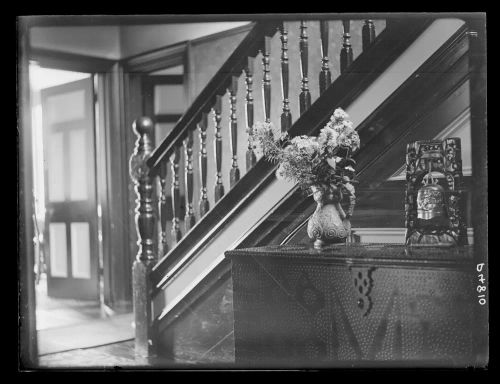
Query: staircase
[{"x": 410, "y": 64}]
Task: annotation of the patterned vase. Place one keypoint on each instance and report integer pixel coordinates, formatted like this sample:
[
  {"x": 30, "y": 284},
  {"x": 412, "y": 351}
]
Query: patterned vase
[{"x": 328, "y": 224}]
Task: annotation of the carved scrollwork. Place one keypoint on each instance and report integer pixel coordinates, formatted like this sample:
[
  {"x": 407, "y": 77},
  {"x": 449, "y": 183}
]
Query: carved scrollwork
[
  {"x": 139, "y": 172},
  {"x": 363, "y": 285},
  {"x": 138, "y": 169},
  {"x": 434, "y": 214}
]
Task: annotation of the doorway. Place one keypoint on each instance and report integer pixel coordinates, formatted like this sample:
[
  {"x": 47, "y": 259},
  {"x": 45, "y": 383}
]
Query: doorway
[
  {"x": 70, "y": 309},
  {"x": 65, "y": 183}
]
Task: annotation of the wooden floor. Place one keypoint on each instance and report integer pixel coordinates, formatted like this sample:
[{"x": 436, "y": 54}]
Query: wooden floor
[
  {"x": 116, "y": 356},
  {"x": 81, "y": 335},
  {"x": 109, "y": 356}
]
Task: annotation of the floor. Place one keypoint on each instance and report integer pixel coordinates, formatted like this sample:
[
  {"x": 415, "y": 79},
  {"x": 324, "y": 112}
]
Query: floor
[
  {"x": 76, "y": 334},
  {"x": 117, "y": 356},
  {"x": 53, "y": 313},
  {"x": 66, "y": 324}
]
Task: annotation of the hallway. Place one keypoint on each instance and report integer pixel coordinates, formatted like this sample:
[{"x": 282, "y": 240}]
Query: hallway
[{"x": 67, "y": 324}]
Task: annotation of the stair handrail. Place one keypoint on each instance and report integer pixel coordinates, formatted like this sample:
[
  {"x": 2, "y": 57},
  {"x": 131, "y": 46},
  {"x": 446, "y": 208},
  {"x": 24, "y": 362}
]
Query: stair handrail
[
  {"x": 262, "y": 173},
  {"x": 218, "y": 85},
  {"x": 151, "y": 275}
]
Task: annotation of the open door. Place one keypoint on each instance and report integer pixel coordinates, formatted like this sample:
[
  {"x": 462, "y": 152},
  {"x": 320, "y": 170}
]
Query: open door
[{"x": 71, "y": 241}]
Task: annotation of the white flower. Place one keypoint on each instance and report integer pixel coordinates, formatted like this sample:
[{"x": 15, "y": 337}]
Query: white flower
[
  {"x": 348, "y": 126},
  {"x": 309, "y": 144},
  {"x": 260, "y": 128},
  {"x": 328, "y": 137},
  {"x": 344, "y": 140},
  {"x": 349, "y": 168},
  {"x": 280, "y": 172},
  {"x": 340, "y": 114}
]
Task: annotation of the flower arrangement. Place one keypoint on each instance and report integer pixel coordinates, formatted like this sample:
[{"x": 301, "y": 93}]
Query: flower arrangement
[{"x": 314, "y": 163}]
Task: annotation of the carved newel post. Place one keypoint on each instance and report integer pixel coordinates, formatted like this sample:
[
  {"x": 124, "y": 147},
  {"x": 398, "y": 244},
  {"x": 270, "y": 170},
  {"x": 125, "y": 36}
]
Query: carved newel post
[{"x": 145, "y": 224}]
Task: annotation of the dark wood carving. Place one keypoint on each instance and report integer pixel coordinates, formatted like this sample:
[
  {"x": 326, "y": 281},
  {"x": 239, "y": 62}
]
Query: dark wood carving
[
  {"x": 219, "y": 187},
  {"x": 176, "y": 198},
  {"x": 368, "y": 34},
  {"x": 190, "y": 219},
  {"x": 325, "y": 77},
  {"x": 145, "y": 224},
  {"x": 346, "y": 54},
  {"x": 363, "y": 284},
  {"x": 433, "y": 201},
  {"x": 266, "y": 79},
  {"x": 202, "y": 125},
  {"x": 305, "y": 96},
  {"x": 163, "y": 208},
  {"x": 234, "y": 174},
  {"x": 251, "y": 158},
  {"x": 286, "y": 116}
]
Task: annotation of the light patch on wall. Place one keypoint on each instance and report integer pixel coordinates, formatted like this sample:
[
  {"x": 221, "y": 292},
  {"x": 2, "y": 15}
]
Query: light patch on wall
[
  {"x": 136, "y": 39},
  {"x": 41, "y": 78},
  {"x": 96, "y": 41}
]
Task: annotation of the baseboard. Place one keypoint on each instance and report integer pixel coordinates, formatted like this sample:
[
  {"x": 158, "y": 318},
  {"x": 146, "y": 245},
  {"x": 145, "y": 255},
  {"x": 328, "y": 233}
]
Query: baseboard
[{"x": 390, "y": 235}]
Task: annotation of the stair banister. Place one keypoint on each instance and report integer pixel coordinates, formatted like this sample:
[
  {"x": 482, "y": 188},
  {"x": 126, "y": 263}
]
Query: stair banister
[
  {"x": 155, "y": 275},
  {"x": 234, "y": 65},
  {"x": 347, "y": 87}
]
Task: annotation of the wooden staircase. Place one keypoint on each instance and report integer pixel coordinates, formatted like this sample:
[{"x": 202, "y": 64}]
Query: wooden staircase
[{"x": 255, "y": 209}]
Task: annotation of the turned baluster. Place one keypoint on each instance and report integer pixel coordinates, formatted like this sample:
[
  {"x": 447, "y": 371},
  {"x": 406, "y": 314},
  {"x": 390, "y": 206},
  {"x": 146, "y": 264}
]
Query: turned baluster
[
  {"x": 346, "y": 55},
  {"x": 286, "y": 116},
  {"x": 176, "y": 199},
  {"x": 251, "y": 158},
  {"x": 266, "y": 79},
  {"x": 234, "y": 174},
  {"x": 368, "y": 34},
  {"x": 145, "y": 222},
  {"x": 162, "y": 207},
  {"x": 189, "y": 219},
  {"x": 202, "y": 125},
  {"x": 305, "y": 96},
  {"x": 325, "y": 77},
  {"x": 219, "y": 187}
]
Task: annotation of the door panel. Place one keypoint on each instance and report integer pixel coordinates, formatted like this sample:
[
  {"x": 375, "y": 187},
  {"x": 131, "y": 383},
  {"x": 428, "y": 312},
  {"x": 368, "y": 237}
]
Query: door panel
[
  {"x": 71, "y": 205},
  {"x": 78, "y": 146},
  {"x": 58, "y": 250}
]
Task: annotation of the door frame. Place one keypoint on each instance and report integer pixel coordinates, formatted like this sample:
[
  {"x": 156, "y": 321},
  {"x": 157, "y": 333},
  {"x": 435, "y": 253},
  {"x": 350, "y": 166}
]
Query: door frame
[
  {"x": 112, "y": 178},
  {"x": 27, "y": 336}
]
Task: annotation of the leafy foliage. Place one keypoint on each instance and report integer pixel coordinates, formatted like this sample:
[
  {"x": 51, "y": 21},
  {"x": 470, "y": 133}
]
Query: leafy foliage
[{"x": 311, "y": 161}]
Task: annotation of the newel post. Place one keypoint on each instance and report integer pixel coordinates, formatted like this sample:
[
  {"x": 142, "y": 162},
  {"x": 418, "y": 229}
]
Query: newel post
[{"x": 145, "y": 221}]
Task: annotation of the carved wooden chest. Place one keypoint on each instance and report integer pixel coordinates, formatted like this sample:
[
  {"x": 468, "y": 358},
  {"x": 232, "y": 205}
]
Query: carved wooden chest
[{"x": 355, "y": 305}]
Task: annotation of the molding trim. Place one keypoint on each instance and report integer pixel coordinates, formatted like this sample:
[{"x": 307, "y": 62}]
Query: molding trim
[
  {"x": 388, "y": 235},
  {"x": 173, "y": 55},
  {"x": 157, "y": 59},
  {"x": 222, "y": 34},
  {"x": 70, "y": 61},
  {"x": 86, "y": 20}
]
